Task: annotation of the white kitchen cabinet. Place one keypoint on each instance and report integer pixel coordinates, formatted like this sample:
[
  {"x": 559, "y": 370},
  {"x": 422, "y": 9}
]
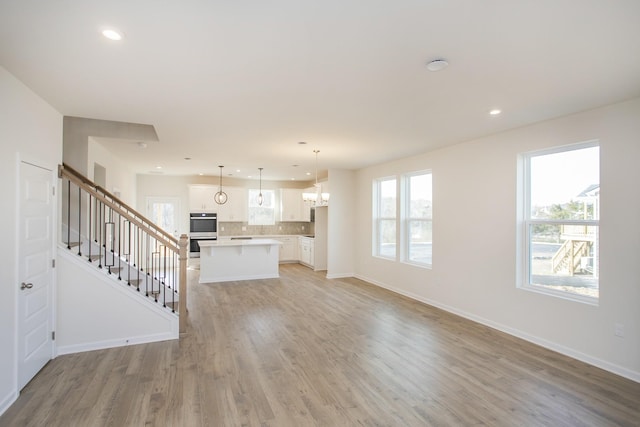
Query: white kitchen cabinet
[
  {"x": 292, "y": 208},
  {"x": 305, "y": 247},
  {"x": 289, "y": 249},
  {"x": 235, "y": 210},
  {"x": 201, "y": 198}
]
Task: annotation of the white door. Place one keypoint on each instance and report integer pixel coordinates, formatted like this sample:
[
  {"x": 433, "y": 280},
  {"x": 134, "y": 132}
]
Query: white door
[
  {"x": 163, "y": 211},
  {"x": 35, "y": 271}
]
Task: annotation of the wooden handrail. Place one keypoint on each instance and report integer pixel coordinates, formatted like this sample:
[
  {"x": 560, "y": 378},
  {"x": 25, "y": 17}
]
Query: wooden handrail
[{"x": 137, "y": 218}]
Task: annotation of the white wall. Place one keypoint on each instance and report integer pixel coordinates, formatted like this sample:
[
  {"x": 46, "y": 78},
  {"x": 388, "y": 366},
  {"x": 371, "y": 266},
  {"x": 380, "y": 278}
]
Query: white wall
[
  {"x": 474, "y": 255},
  {"x": 120, "y": 178},
  {"x": 96, "y": 312},
  {"x": 341, "y": 228},
  {"x": 32, "y": 129}
]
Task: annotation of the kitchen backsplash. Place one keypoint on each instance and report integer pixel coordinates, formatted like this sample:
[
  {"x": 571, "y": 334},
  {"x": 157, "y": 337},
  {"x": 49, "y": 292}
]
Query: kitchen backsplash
[{"x": 244, "y": 229}]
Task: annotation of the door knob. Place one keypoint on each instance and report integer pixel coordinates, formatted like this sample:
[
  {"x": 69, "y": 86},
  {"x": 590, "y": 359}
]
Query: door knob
[{"x": 26, "y": 286}]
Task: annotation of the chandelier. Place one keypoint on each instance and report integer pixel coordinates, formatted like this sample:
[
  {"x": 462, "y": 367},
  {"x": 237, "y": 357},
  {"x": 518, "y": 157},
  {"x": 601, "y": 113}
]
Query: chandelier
[{"x": 316, "y": 198}]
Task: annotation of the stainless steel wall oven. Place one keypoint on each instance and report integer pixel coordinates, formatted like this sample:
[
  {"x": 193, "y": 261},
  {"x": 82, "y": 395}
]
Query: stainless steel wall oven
[{"x": 202, "y": 226}]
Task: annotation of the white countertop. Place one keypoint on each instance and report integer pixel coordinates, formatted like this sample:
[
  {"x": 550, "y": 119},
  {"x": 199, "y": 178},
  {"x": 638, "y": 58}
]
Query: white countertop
[{"x": 238, "y": 242}]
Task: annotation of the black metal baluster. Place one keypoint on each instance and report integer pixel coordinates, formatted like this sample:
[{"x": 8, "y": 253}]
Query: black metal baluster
[
  {"x": 100, "y": 237},
  {"x": 79, "y": 220},
  {"x": 69, "y": 214},
  {"x": 89, "y": 228},
  {"x": 109, "y": 262},
  {"x": 175, "y": 288},
  {"x": 164, "y": 288},
  {"x": 128, "y": 253},
  {"x": 119, "y": 247},
  {"x": 146, "y": 277}
]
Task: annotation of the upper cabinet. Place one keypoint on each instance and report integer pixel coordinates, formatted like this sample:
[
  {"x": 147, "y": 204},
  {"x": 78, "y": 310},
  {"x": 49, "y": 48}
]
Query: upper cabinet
[
  {"x": 201, "y": 198},
  {"x": 292, "y": 208},
  {"x": 235, "y": 210}
]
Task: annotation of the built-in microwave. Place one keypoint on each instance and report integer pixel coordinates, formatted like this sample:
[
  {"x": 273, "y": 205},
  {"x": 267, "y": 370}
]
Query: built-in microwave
[{"x": 203, "y": 223}]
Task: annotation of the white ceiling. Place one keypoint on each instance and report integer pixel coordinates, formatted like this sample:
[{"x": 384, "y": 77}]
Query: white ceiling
[{"x": 240, "y": 83}]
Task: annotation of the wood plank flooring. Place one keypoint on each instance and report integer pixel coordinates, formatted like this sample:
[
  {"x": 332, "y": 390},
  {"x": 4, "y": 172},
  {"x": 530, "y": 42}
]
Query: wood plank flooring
[{"x": 305, "y": 351}]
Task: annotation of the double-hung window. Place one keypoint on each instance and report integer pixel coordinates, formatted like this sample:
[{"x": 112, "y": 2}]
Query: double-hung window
[
  {"x": 384, "y": 213},
  {"x": 264, "y": 214},
  {"x": 560, "y": 221},
  {"x": 418, "y": 218}
]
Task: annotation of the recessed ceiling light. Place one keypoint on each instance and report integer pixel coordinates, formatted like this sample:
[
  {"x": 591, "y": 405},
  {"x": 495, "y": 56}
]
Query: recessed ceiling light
[
  {"x": 238, "y": 170},
  {"x": 187, "y": 158},
  {"x": 142, "y": 144},
  {"x": 308, "y": 173},
  {"x": 293, "y": 179},
  {"x": 200, "y": 174},
  {"x": 437, "y": 65},
  {"x": 112, "y": 34},
  {"x": 495, "y": 112},
  {"x": 158, "y": 167},
  {"x": 302, "y": 143}
]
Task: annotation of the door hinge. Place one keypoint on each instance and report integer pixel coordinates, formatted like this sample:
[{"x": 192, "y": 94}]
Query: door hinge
[
  {"x": 53, "y": 263},
  {"x": 53, "y": 335}
]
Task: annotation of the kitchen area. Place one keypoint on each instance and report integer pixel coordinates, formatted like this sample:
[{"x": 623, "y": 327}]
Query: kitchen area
[{"x": 241, "y": 239}]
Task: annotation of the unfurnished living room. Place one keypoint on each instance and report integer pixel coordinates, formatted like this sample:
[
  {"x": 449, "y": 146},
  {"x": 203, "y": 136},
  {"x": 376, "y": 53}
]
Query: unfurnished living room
[{"x": 320, "y": 213}]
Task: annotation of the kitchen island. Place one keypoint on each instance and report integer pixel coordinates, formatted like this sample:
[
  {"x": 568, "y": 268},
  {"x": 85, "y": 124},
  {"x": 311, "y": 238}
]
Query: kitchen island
[{"x": 229, "y": 260}]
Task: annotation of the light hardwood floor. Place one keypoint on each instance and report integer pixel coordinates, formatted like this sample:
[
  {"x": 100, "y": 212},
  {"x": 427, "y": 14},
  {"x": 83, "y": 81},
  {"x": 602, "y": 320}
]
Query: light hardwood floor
[{"x": 305, "y": 351}]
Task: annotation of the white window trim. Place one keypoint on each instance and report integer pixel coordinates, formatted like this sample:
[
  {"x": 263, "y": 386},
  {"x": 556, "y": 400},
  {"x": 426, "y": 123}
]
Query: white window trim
[
  {"x": 378, "y": 218},
  {"x": 405, "y": 219},
  {"x": 523, "y": 266}
]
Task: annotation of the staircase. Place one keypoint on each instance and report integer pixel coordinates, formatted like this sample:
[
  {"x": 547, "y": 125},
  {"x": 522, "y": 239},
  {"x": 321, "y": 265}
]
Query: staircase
[
  {"x": 569, "y": 256},
  {"x": 124, "y": 245}
]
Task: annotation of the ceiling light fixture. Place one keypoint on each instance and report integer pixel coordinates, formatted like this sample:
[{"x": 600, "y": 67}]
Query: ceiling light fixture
[
  {"x": 260, "y": 198},
  {"x": 112, "y": 34},
  {"x": 437, "y": 65},
  {"x": 220, "y": 197},
  {"x": 318, "y": 198},
  {"x": 495, "y": 112}
]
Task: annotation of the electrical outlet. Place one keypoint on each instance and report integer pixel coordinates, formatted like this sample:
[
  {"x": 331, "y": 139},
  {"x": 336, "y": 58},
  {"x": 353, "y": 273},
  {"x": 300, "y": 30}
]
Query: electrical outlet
[{"x": 619, "y": 330}]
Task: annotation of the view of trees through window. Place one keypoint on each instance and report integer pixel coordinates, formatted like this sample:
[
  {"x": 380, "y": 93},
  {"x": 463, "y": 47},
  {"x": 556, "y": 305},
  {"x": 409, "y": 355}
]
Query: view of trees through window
[
  {"x": 419, "y": 218},
  {"x": 264, "y": 214},
  {"x": 562, "y": 221},
  {"x": 386, "y": 223}
]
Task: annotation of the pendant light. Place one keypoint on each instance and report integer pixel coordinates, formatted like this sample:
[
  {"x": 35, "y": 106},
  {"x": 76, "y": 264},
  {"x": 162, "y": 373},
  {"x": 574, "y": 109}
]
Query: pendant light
[
  {"x": 260, "y": 198},
  {"x": 220, "y": 197},
  {"x": 317, "y": 197}
]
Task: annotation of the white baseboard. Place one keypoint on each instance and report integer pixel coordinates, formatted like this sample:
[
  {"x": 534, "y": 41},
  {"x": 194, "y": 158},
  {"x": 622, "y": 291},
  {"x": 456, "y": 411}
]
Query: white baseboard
[
  {"x": 8, "y": 401},
  {"x": 339, "y": 275},
  {"x": 607, "y": 366},
  {"x": 101, "y": 345}
]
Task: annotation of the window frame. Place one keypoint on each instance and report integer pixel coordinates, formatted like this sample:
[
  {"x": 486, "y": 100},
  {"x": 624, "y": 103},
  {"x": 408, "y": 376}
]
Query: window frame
[
  {"x": 407, "y": 219},
  {"x": 251, "y": 204},
  {"x": 378, "y": 218},
  {"x": 526, "y": 222}
]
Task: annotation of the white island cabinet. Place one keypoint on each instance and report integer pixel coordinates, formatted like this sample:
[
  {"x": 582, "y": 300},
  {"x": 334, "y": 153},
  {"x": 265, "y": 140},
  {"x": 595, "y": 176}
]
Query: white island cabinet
[{"x": 229, "y": 260}]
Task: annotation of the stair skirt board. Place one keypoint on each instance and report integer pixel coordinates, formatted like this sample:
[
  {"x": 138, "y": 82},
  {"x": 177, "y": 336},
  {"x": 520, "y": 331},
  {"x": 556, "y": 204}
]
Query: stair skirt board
[{"x": 96, "y": 311}]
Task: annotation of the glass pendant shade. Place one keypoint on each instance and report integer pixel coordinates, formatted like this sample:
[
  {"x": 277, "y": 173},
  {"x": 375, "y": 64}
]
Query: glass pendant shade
[
  {"x": 260, "y": 198},
  {"x": 220, "y": 197}
]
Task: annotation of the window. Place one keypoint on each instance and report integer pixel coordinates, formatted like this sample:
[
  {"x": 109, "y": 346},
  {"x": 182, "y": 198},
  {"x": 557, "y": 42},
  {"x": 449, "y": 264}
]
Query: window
[
  {"x": 264, "y": 214},
  {"x": 385, "y": 218},
  {"x": 561, "y": 221},
  {"x": 418, "y": 218},
  {"x": 164, "y": 212}
]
